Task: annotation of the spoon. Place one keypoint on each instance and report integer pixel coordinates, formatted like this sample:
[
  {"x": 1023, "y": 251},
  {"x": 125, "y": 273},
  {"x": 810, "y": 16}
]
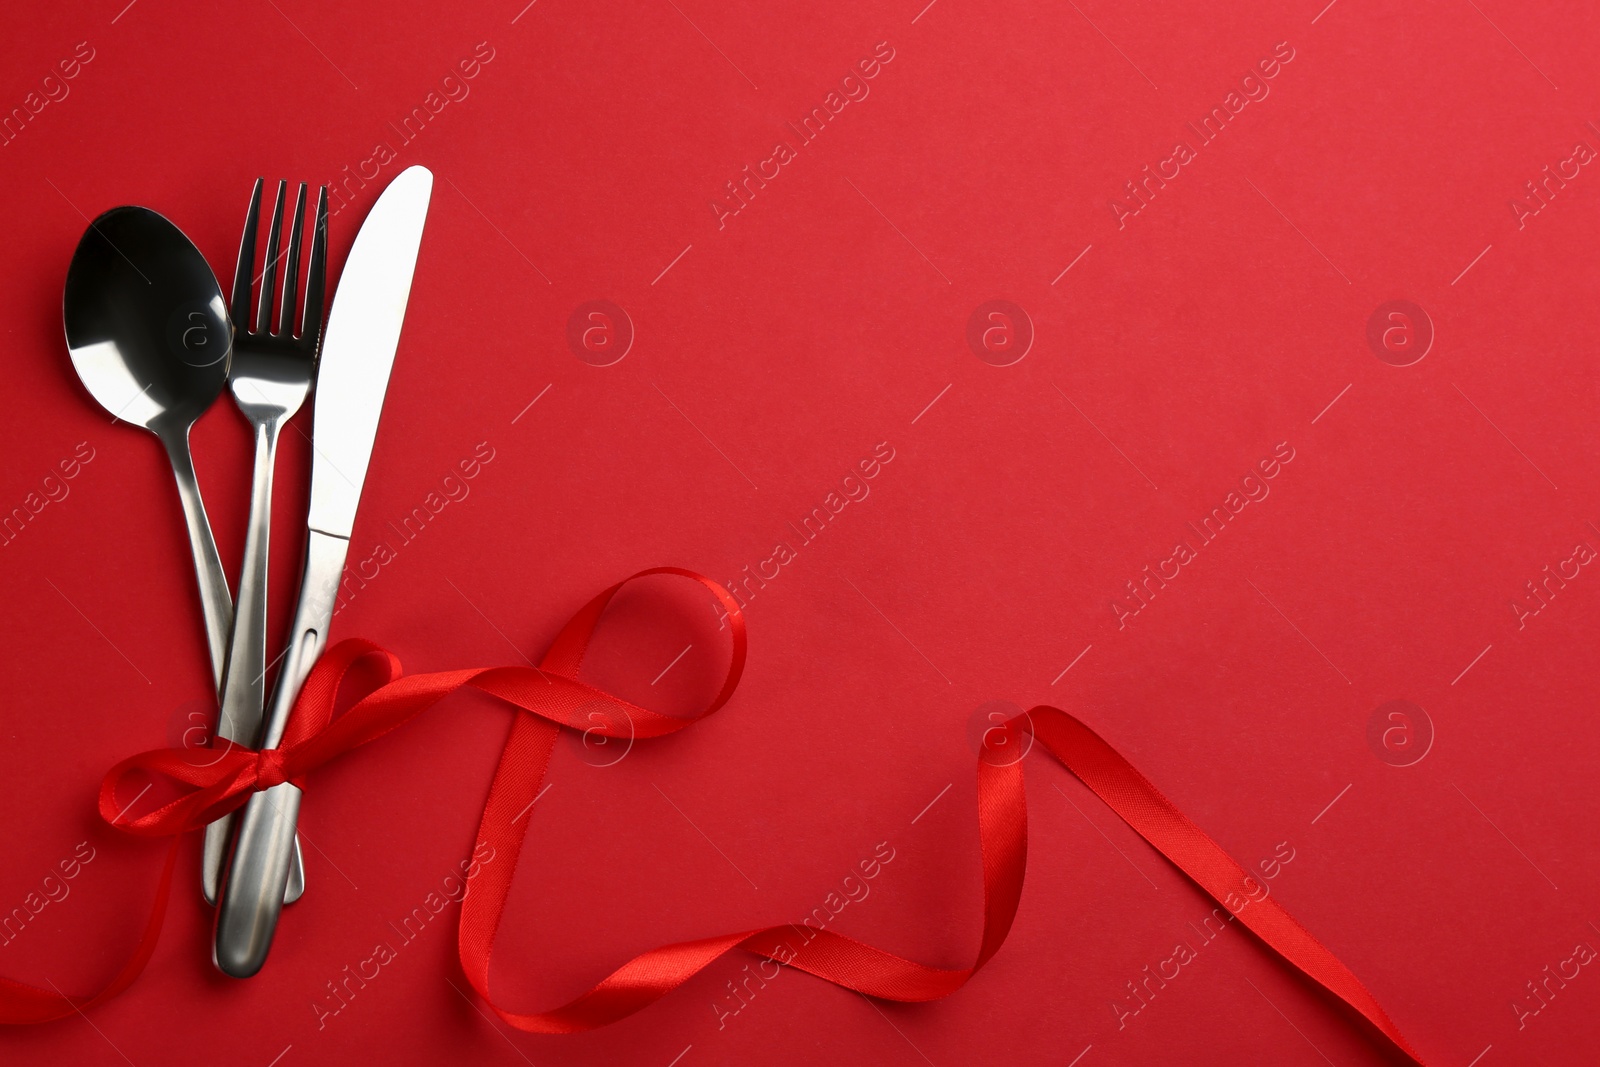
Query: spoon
[{"x": 150, "y": 337}]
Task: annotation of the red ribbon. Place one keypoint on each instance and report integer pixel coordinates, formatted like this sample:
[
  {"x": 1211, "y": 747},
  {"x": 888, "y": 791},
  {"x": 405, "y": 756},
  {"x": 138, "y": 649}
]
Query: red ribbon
[{"x": 554, "y": 697}]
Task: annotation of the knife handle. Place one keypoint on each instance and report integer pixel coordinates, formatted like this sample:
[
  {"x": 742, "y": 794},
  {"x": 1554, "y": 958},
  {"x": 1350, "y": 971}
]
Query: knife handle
[{"x": 252, "y": 895}]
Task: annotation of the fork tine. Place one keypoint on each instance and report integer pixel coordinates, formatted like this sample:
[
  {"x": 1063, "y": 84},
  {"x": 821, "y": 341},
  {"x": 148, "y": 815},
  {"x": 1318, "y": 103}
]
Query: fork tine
[
  {"x": 245, "y": 269},
  {"x": 291, "y": 269},
  {"x": 316, "y": 275},
  {"x": 269, "y": 273}
]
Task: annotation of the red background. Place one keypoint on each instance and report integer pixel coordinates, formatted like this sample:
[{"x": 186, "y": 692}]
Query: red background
[{"x": 1179, "y": 349}]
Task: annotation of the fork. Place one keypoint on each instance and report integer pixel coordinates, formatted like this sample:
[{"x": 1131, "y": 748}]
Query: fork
[{"x": 271, "y": 374}]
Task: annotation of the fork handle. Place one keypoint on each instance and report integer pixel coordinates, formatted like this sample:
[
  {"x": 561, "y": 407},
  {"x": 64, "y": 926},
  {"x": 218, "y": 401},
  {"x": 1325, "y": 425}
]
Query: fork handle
[{"x": 244, "y": 678}]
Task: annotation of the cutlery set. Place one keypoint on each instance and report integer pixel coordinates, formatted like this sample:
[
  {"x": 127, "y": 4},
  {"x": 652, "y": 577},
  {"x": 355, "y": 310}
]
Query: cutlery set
[{"x": 154, "y": 343}]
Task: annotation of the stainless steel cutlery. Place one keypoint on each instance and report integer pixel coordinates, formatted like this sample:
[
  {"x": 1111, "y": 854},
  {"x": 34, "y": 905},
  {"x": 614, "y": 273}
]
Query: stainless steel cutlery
[{"x": 152, "y": 342}]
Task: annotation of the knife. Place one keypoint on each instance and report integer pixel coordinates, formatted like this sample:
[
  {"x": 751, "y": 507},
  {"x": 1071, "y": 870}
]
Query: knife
[{"x": 357, "y": 355}]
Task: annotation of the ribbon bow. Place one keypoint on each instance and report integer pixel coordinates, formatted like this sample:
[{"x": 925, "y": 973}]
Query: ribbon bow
[{"x": 552, "y": 696}]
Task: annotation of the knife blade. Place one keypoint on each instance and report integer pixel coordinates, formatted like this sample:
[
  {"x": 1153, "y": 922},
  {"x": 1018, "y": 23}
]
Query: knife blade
[
  {"x": 358, "y": 349},
  {"x": 358, "y": 352}
]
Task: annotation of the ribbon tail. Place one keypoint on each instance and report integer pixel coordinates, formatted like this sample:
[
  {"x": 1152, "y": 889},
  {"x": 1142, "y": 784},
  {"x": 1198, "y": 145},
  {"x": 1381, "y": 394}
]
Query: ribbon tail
[
  {"x": 1156, "y": 819},
  {"x": 21, "y": 1003}
]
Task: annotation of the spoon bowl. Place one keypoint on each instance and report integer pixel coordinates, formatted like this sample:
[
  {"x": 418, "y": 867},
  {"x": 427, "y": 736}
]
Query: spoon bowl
[{"x": 146, "y": 322}]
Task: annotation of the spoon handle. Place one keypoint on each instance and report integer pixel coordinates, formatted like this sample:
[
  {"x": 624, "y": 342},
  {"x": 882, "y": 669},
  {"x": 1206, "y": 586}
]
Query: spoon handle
[
  {"x": 216, "y": 603},
  {"x": 244, "y": 680}
]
